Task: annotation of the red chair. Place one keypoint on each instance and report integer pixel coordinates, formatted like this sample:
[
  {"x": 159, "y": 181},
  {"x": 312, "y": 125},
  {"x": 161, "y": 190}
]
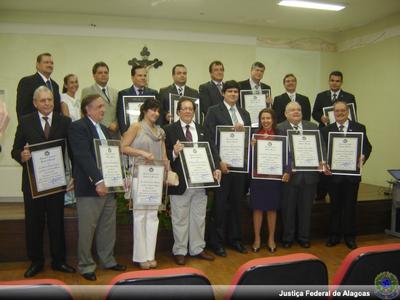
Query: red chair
[
  {"x": 35, "y": 289},
  {"x": 366, "y": 266},
  {"x": 173, "y": 283},
  {"x": 300, "y": 269}
]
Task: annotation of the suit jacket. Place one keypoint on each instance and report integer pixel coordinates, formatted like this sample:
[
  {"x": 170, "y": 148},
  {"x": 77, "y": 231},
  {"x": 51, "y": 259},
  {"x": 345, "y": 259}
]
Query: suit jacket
[
  {"x": 171, "y": 89},
  {"x": 219, "y": 115},
  {"x": 297, "y": 178},
  {"x": 367, "y": 147},
  {"x": 324, "y": 99},
  {"x": 245, "y": 85},
  {"x": 25, "y": 89},
  {"x": 84, "y": 168},
  {"x": 110, "y": 114},
  {"x": 120, "y": 104},
  {"x": 209, "y": 95},
  {"x": 281, "y": 101},
  {"x": 30, "y": 131},
  {"x": 173, "y": 133}
]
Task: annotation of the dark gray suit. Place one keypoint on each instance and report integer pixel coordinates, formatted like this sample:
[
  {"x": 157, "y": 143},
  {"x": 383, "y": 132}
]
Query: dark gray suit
[
  {"x": 281, "y": 101},
  {"x": 209, "y": 96},
  {"x": 298, "y": 197},
  {"x": 226, "y": 209}
]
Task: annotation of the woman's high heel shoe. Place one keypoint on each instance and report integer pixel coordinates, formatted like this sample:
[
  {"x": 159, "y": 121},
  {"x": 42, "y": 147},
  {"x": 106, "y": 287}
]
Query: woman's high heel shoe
[
  {"x": 271, "y": 249},
  {"x": 255, "y": 248}
]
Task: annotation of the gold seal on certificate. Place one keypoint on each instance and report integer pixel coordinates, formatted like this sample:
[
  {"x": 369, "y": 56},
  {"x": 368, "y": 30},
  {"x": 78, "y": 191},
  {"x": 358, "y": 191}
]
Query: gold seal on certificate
[
  {"x": 131, "y": 106},
  {"x": 46, "y": 169},
  {"x": 110, "y": 163},
  {"x": 269, "y": 156},
  {"x": 254, "y": 102},
  {"x": 344, "y": 152},
  {"x": 306, "y": 150},
  {"x": 198, "y": 165},
  {"x": 233, "y": 147}
]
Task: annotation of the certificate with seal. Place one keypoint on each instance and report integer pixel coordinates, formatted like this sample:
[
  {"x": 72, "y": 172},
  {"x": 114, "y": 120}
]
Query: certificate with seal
[
  {"x": 269, "y": 156},
  {"x": 344, "y": 152},
  {"x": 233, "y": 147},
  {"x": 328, "y": 112},
  {"x": 110, "y": 163},
  {"x": 173, "y": 104},
  {"x": 306, "y": 150},
  {"x": 131, "y": 106},
  {"x": 46, "y": 168},
  {"x": 254, "y": 102},
  {"x": 198, "y": 165},
  {"x": 150, "y": 184}
]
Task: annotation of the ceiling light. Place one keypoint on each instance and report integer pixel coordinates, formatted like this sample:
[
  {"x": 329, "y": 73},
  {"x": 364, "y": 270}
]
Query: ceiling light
[{"x": 312, "y": 5}]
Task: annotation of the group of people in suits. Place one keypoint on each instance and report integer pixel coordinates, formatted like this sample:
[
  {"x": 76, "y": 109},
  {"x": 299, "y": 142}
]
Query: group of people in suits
[{"x": 103, "y": 117}]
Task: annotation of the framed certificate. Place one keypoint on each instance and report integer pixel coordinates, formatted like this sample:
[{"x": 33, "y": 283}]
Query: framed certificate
[
  {"x": 344, "y": 152},
  {"x": 254, "y": 102},
  {"x": 270, "y": 156},
  {"x": 173, "y": 104},
  {"x": 46, "y": 168},
  {"x": 328, "y": 112},
  {"x": 132, "y": 107},
  {"x": 110, "y": 163},
  {"x": 233, "y": 147},
  {"x": 306, "y": 150},
  {"x": 150, "y": 183},
  {"x": 198, "y": 165}
]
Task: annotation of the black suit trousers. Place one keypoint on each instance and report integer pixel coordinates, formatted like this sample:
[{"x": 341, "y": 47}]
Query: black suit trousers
[
  {"x": 38, "y": 211},
  {"x": 343, "y": 196},
  {"x": 226, "y": 214}
]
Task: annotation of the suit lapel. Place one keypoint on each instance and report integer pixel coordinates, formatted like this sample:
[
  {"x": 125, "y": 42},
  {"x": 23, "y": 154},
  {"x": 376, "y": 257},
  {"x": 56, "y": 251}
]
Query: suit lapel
[
  {"x": 200, "y": 133},
  {"x": 37, "y": 125},
  {"x": 179, "y": 131},
  {"x": 92, "y": 128},
  {"x": 54, "y": 125},
  {"x": 225, "y": 114}
]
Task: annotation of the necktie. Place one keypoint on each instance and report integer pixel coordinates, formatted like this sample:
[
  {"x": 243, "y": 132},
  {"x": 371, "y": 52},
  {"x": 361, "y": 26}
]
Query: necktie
[
  {"x": 233, "y": 115},
  {"x": 105, "y": 94},
  {"x": 140, "y": 92},
  {"x": 257, "y": 88},
  {"x": 46, "y": 129},
  {"x": 102, "y": 137},
  {"x": 334, "y": 97},
  {"x": 292, "y": 97},
  {"x": 296, "y": 128},
  {"x": 341, "y": 128},
  {"x": 219, "y": 86},
  {"x": 180, "y": 91},
  {"x": 188, "y": 134},
  {"x": 48, "y": 84}
]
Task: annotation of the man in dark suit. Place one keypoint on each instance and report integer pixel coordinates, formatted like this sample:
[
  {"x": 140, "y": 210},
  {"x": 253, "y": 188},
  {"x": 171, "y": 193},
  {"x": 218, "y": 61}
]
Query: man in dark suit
[
  {"x": 299, "y": 192},
  {"x": 188, "y": 206},
  {"x": 179, "y": 87},
  {"x": 139, "y": 88},
  {"x": 325, "y": 99},
  {"x": 329, "y": 97},
  {"x": 211, "y": 91},
  {"x": 228, "y": 198},
  {"x": 38, "y": 127},
  {"x": 27, "y": 85},
  {"x": 343, "y": 189},
  {"x": 280, "y": 102},
  {"x": 96, "y": 207},
  {"x": 254, "y": 82}
]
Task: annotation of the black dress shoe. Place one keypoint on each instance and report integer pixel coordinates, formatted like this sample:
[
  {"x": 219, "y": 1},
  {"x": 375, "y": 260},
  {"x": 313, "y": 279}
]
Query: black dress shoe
[
  {"x": 220, "y": 251},
  {"x": 332, "y": 241},
  {"x": 239, "y": 247},
  {"x": 304, "y": 244},
  {"x": 33, "y": 269},
  {"x": 351, "y": 244},
  {"x": 89, "y": 276},
  {"x": 286, "y": 244},
  {"x": 117, "y": 267},
  {"x": 63, "y": 268}
]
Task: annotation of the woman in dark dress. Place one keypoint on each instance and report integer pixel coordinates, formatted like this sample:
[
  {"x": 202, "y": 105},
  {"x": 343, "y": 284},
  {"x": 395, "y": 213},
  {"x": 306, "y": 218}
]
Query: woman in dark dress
[{"x": 265, "y": 195}]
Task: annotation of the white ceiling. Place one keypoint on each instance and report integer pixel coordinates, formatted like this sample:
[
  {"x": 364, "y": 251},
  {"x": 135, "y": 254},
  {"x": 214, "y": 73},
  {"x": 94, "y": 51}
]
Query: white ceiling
[{"x": 250, "y": 12}]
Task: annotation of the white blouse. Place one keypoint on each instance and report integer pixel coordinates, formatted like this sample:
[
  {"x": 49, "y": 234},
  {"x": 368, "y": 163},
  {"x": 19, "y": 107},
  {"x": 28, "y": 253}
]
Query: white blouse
[{"x": 74, "y": 106}]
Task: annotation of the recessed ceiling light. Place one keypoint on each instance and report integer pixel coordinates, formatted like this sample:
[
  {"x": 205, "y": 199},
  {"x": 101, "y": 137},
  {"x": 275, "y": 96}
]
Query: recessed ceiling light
[{"x": 312, "y": 5}]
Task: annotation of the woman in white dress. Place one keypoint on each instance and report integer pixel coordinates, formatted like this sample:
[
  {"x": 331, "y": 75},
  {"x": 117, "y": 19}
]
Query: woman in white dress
[{"x": 70, "y": 103}]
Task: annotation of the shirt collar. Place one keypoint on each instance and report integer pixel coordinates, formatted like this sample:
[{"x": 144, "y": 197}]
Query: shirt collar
[
  {"x": 93, "y": 122},
  {"x": 137, "y": 89},
  {"x": 43, "y": 77},
  {"x": 218, "y": 82},
  {"x": 337, "y": 93},
  {"x": 228, "y": 106},
  {"x": 253, "y": 84},
  {"x": 49, "y": 116},
  {"x": 183, "y": 124},
  {"x": 177, "y": 87},
  {"x": 102, "y": 87},
  {"x": 345, "y": 124},
  {"x": 291, "y": 94},
  {"x": 299, "y": 126}
]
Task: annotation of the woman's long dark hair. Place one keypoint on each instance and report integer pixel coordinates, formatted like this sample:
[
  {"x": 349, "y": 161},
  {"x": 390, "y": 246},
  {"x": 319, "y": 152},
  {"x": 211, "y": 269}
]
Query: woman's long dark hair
[
  {"x": 66, "y": 78},
  {"x": 273, "y": 115},
  {"x": 149, "y": 104}
]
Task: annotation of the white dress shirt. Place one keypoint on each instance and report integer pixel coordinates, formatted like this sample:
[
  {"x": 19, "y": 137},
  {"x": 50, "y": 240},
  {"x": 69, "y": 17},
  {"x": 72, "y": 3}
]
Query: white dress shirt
[{"x": 237, "y": 114}]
